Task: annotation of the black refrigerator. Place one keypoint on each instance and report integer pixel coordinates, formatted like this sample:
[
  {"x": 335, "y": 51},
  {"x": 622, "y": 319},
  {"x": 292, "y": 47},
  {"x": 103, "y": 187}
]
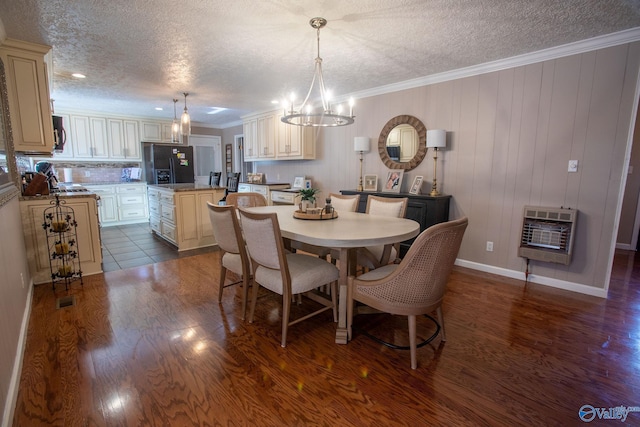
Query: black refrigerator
[{"x": 167, "y": 163}]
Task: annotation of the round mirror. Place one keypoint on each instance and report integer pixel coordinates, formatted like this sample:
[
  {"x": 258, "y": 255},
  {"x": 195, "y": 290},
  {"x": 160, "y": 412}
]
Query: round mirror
[{"x": 403, "y": 143}]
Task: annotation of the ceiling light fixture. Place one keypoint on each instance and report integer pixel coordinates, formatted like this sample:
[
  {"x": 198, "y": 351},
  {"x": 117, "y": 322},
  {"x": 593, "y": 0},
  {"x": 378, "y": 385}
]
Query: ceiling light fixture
[
  {"x": 175, "y": 125},
  {"x": 185, "y": 120},
  {"x": 306, "y": 115},
  {"x": 78, "y": 76}
]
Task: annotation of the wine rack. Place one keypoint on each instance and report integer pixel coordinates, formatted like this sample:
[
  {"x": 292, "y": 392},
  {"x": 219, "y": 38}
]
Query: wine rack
[{"x": 64, "y": 258}]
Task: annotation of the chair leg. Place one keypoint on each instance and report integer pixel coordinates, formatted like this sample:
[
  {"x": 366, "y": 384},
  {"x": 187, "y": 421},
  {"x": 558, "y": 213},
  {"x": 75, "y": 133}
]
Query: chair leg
[
  {"x": 286, "y": 308},
  {"x": 334, "y": 300},
  {"x": 245, "y": 295},
  {"x": 223, "y": 276},
  {"x": 254, "y": 298},
  {"x": 412, "y": 341},
  {"x": 349, "y": 306},
  {"x": 441, "y": 321}
]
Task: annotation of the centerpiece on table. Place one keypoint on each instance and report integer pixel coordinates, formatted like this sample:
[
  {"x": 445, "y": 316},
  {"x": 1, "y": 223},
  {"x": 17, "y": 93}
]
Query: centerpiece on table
[{"x": 308, "y": 198}]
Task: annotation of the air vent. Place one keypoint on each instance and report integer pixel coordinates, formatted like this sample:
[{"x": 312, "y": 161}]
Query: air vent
[
  {"x": 547, "y": 234},
  {"x": 68, "y": 301}
]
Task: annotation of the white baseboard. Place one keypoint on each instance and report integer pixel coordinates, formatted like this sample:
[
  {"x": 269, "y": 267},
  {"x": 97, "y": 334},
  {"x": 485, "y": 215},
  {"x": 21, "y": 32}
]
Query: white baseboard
[
  {"x": 12, "y": 393},
  {"x": 625, "y": 246},
  {"x": 547, "y": 281}
]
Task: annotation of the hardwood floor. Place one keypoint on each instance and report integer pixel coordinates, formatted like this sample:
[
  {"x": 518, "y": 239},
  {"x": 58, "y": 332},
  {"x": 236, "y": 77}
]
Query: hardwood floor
[{"x": 151, "y": 346}]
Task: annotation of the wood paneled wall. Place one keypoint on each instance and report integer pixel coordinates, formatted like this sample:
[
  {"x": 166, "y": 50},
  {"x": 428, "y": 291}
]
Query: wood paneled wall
[
  {"x": 510, "y": 136},
  {"x": 13, "y": 297}
]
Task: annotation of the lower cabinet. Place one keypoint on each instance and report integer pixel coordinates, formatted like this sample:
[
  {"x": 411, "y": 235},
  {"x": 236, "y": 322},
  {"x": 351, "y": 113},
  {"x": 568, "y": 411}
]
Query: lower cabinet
[
  {"x": 122, "y": 203},
  {"x": 426, "y": 210},
  {"x": 87, "y": 235},
  {"x": 182, "y": 217}
]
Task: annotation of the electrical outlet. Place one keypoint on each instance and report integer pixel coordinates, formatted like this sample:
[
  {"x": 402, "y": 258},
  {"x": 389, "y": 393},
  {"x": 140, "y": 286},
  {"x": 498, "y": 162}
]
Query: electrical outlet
[
  {"x": 573, "y": 166},
  {"x": 489, "y": 246}
]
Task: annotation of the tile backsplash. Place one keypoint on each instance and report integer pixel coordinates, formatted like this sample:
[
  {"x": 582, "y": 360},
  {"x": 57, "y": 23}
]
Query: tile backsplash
[{"x": 90, "y": 173}]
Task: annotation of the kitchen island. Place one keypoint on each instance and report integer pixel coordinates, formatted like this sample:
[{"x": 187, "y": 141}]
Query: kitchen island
[
  {"x": 88, "y": 232},
  {"x": 178, "y": 213}
]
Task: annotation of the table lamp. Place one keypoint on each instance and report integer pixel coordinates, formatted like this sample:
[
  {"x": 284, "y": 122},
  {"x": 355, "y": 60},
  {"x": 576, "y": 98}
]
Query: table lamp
[
  {"x": 361, "y": 144},
  {"x": 436, "y": 138}
]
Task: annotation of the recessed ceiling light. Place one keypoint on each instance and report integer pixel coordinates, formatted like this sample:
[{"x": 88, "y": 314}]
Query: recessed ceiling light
[
  {"x": 215, "y": 110},
  {"x": 159, "y": 108},
  {"x": 79, "y": 76}
]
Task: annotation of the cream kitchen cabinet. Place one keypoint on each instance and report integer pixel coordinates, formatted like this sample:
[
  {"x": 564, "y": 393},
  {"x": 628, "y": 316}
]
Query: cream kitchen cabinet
[
  {"x": 179, "y": 213},
  {"x": 87, "y": 234},
  {"x": 267, "y": 138},
  {"x": 107, "y": 204},
  {"x": 124, "y": 139},
  {"x": 121, "y": 203},
  {"x": 89, "y": 136},
  {"x": 28, "y": 94},
  {"x": 264, "y": 189},
  {"x": 155, "y": 131}
]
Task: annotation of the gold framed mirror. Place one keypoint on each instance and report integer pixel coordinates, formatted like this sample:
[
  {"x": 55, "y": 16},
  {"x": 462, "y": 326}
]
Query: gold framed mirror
[
  {"x": 9, "y": 182},
  {"x": 406, "y": 138}
]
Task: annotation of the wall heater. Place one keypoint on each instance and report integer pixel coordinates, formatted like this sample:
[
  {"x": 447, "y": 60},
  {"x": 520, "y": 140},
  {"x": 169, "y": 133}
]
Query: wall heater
[{"x": 547, "y": 234}]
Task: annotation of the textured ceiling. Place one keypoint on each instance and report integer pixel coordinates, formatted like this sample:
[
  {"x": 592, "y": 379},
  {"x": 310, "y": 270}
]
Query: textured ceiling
[{"x": 242, "y": 54}]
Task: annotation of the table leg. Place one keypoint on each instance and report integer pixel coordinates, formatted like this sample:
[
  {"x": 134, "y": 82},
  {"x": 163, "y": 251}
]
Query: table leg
[{"x": 346, "y": 261}]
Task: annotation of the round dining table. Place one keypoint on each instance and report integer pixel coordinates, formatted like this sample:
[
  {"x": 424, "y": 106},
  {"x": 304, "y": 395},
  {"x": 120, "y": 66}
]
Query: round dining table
[{"x": 347, "y": 232}]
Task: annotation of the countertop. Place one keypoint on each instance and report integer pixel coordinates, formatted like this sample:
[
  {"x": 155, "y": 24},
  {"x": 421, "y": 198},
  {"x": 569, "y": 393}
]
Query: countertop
[
  {"x": 187, "y": 187},
  {"x": 61, "y": 195}
]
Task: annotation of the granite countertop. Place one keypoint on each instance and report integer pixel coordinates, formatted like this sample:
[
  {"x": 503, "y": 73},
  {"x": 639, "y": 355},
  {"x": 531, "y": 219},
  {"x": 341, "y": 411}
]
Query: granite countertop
[
  {"x": 61, "y": 195},
  {"x": 187, "y": 187}
]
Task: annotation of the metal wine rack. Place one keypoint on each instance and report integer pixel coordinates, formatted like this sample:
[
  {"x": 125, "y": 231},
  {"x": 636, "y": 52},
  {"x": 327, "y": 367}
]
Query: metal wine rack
[{"x": 64, "y": 257}]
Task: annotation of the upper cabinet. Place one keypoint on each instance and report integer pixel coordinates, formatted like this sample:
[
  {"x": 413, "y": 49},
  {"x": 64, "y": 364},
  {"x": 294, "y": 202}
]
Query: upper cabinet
[
  {"x": 155, "y": 131},
  {"x": 124, "y": 139},
  {"x": 267, "y": 138},
  {"x": 89, "y": 136},
  {"x": 28, "y": 93}
]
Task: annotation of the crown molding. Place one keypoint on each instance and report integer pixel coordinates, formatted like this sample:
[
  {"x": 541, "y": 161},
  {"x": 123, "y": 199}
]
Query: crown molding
[{"x": 588, "y": 45}]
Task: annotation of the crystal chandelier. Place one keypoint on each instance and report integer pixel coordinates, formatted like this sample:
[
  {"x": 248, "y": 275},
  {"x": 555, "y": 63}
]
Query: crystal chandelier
[
  {"x": 305, "y": 114},
  {"x": 175, "y": 125},
  {"x": 185, "y": 120}
]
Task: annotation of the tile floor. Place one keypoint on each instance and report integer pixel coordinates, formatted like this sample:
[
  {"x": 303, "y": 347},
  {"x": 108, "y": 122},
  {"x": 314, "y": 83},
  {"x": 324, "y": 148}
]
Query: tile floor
[{"x": 133, "y": 245}]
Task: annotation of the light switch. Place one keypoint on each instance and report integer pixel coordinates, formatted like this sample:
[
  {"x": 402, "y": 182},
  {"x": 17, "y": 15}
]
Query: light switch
[{"x": 573, "y": 166}]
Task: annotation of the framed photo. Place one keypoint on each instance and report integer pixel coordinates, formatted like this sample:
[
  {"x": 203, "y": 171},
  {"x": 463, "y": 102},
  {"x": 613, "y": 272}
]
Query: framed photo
[
  {"x": 298, "y": 182},
  {"x": 416, "y": 186},
  {"x": 393, "y": 181},
  {"x": 370, "y": 183}
]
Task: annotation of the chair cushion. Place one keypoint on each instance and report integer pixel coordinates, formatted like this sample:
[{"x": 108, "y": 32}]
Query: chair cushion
[
  {"x": 307, "y": 272},
  {"x": 232, "y": 262},
  {"x": 379, "y": 273}
]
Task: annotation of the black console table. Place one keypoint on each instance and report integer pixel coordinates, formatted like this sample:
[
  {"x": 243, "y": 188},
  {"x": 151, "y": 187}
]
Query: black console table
[{"x": 426, "y": 210}]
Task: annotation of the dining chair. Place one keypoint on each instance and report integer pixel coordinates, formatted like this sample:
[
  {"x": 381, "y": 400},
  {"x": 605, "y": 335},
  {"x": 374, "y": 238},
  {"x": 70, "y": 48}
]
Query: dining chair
[
  {"x": 414, "y": 287},
  {"x": 345, "y": 203},
  {"x": 372, "y": 257},
  {"x": 233, "y": 179},
  {"x": 282, "y": 272},
  {"x": 228, "y": 235},
  {"x": 246, "y": 200},
  {"x": 214, "y": 178}
]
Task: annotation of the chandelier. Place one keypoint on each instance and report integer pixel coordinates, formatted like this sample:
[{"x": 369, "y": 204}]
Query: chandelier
[{"x": 305, "y": 114}]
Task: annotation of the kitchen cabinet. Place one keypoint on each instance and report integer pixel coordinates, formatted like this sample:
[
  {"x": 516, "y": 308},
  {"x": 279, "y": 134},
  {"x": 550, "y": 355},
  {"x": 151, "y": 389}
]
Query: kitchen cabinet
[
  {"x": 87, "y": 235},
  {"x": 107, "y": 204},
  {"x": 264, "y": 189},
  {"x": 28, "y": 94},
  {"x": 267, "y": 138},
  {"x": 124, "y": 139},
  {"x": 182, "y": 216},
  {"x": 155, "y": 131},
  {"x": 121, "y": 203},
  {"x": 89, "y": 136}
]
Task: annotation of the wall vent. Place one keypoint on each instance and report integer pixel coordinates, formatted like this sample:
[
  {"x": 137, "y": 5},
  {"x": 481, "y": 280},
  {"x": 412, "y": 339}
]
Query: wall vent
[{"x": 547, "y": 234}]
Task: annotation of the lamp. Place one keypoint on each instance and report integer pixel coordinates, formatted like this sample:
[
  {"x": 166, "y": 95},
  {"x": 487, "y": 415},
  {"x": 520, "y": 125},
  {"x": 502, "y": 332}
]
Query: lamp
[
  {"x": 436, "y": 138},
  {"x": 305, "y": 115},
  {"x": 185, "y": 120},
  {"x": 175, "y": 125},
  {"x": 361, "y": 144}
]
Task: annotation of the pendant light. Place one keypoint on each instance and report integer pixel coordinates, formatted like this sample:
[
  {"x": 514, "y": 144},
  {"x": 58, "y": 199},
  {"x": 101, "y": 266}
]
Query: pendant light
[
  {"x": 185, "y": 120},
  {"x": 175, "y": 125},
  {"x": 324, "y": 115}
]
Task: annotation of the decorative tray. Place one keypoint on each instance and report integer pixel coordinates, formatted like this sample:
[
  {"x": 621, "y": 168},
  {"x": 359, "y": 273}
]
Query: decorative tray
[{"x": 322, "y": 215}]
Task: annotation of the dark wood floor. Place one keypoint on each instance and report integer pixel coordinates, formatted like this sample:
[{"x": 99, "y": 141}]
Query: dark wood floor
[{"x": 151, "y": 346}]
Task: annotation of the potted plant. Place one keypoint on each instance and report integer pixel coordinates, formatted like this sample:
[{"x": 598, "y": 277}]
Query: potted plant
[{"x": 308, "y": 198}]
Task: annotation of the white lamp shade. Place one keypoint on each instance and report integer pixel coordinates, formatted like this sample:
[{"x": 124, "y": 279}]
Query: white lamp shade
[
  {"x": 361, "y": 143},
  {"x": 436, "y": 138}
]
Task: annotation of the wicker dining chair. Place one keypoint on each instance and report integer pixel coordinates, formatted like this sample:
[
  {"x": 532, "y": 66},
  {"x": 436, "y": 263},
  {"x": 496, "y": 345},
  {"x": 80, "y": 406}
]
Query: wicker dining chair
[
  {"x": 228, "y": 235},
  {"x": 417, "y": 285},
  {"x": 372, "y": 257},
  {"x": 282, "y": 272},
  {"x": 246, "y": 200}
]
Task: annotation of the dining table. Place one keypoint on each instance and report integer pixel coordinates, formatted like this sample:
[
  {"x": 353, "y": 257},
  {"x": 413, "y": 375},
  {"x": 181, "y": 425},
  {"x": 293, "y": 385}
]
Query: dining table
[{"x": 347, "y": 232}]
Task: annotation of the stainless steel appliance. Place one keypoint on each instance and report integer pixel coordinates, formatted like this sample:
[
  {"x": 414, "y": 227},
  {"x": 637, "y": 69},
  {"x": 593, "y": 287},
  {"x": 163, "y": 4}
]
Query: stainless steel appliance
[{"x": 168, "y": 163}]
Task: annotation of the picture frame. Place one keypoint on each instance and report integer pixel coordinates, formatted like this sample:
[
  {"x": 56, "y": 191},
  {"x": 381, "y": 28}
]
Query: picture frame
[
  {"x": 416, "y": 187},
  {"x": 370, "y": 183},
  {"x": 298, "y": 182},
  {"x": 393, "y": 182}
]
